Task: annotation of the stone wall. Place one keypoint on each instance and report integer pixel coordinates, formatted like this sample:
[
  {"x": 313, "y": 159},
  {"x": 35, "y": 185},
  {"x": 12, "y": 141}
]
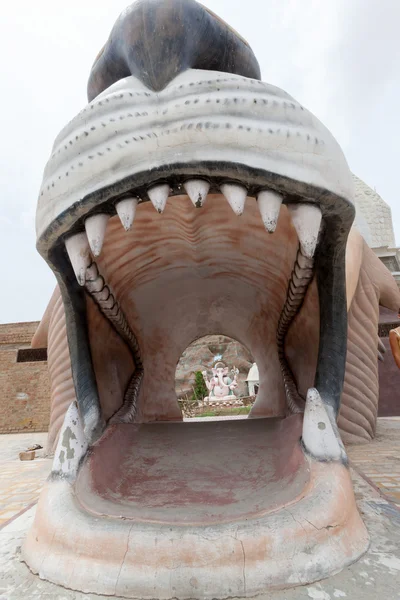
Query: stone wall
[
  {"x": 202, "y": 354},
  {"x": 24, "y": 386}
]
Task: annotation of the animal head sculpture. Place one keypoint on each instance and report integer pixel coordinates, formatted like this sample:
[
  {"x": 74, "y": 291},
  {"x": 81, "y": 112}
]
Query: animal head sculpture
[{"x": 188, "y": 190}]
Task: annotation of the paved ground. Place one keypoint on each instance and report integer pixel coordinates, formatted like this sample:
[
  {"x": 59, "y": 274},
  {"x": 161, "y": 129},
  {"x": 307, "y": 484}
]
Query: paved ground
[
  {"x": 379, "y": 462},
  {"x": 376, "y": 476},
  {"x": 21, "y": 481}
]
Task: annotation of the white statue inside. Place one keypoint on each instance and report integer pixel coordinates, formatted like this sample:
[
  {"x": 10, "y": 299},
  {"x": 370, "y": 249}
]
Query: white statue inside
[{"x": 221, "y": 387}]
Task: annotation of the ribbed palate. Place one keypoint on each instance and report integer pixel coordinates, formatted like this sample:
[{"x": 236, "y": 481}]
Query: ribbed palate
[{"x": 190, "y": 272}]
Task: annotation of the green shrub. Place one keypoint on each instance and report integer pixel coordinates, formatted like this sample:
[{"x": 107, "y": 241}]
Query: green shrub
[{"x": 200, "y": 390}]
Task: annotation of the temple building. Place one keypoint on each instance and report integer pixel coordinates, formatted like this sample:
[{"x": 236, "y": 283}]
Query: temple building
[
  {"x": 253, "y": 380},
  {"x": 374, "y": 222}
]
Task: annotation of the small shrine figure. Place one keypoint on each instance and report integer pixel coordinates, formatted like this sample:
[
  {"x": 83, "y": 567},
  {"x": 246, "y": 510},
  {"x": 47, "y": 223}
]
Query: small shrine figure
[{"x": 221, "y": 387}]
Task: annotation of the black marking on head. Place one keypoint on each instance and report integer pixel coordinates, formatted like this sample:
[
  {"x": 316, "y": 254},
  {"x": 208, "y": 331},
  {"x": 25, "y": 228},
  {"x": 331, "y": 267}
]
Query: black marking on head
[{"x": 156, "y": 40}]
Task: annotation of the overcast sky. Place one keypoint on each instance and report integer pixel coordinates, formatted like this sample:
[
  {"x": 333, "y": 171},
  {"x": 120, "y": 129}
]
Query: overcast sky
[{"x": 339, "y": 58}]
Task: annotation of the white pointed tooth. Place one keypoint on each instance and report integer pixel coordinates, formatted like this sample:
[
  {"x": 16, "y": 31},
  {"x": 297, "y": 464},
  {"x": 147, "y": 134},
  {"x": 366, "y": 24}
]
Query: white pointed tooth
[
  {"x": 126, "y": 210},
  {"x": 319, "y": 436},
  {"x": 269, "y": 204},
  {"x": 197, "y": 190},
  {"x": 95, "y": 230},
  {"x": 307, "y": 221},
  {"x": 73, "y": 428},
  {"x": 158, "y": 194},
  {"x": 79, "y": 254},
  {"x": 236, "y": 195}
]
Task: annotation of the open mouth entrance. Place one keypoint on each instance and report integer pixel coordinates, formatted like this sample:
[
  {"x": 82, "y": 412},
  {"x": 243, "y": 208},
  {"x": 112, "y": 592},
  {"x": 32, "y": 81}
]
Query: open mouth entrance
[
  {"x": 209, "y": 263},
  {"x": 177, "y": 273},
  {"x": 171, "y": 278}
]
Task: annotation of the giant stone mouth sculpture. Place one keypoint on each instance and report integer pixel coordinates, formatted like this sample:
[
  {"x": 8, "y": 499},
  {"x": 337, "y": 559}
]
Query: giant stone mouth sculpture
[{"x": 256, "y": 203}]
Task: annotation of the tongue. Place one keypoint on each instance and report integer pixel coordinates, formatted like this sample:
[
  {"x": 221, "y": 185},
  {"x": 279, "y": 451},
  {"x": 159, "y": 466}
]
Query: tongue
[{"x": 194, "y": 472}]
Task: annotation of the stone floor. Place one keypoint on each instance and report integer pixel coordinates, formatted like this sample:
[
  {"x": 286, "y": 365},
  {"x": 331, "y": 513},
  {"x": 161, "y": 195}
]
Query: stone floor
[
  {"x": 20, "y": 481},
  {"x": 376, "y": 476},
  {"x": 379, "y": 462}
]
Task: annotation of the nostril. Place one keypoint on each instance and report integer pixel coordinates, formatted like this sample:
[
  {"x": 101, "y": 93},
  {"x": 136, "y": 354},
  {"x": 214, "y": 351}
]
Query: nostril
[{"x": 155, "y": 41}]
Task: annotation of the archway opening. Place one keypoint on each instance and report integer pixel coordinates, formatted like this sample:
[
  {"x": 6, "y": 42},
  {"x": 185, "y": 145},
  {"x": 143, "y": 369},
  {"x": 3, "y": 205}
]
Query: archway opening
[{"x": 212, "y": 379}]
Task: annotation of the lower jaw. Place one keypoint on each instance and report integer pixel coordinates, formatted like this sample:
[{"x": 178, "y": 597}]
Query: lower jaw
[{"x": 153, "y": 514}]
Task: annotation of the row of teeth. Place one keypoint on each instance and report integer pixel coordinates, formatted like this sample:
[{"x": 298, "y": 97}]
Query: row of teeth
[{"x": 306, "y": 218}]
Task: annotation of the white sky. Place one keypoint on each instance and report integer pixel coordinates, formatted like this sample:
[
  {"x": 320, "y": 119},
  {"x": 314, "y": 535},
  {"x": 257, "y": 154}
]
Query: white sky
[{"x": 340, "y": 58}]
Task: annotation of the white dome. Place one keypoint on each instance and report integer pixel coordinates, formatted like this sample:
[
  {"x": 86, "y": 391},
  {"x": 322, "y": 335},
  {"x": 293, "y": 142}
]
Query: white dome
[
  {"x": 373, "y": 216},
  {"x": 253, "y": 373}
]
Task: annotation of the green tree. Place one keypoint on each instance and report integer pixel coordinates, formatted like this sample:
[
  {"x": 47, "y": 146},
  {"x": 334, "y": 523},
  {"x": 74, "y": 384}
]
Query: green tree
[{"x": 200, "y": 390}]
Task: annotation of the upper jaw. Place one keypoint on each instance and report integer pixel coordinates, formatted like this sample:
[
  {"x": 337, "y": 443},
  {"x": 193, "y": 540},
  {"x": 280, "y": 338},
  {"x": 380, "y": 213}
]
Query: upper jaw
[{"x": 203, "y": 123}]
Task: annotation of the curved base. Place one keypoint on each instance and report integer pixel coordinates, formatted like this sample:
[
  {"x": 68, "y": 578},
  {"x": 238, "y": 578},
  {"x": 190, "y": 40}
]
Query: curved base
[
  {"x": 223, "y": 400},
  {"x": 314, "y": 536}
]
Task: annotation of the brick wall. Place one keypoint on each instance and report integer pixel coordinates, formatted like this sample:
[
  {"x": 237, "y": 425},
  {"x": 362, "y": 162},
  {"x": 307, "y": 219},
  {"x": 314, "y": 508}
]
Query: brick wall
[{"x": 24, "y": 386}]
